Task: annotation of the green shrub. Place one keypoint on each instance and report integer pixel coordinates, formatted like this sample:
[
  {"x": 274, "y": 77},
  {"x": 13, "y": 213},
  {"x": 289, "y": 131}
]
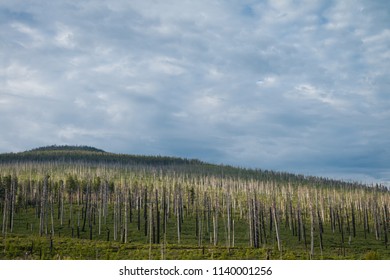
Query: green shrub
[{"x": 372, "y": 255}]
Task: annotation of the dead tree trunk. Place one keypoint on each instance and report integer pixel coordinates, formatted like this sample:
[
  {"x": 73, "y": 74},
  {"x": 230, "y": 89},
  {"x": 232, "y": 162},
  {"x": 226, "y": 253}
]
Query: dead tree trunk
[
  {"x": 353, "y": 220},
  {"x": 157, "y": 219},
  {"x": 125, "y": 218},
  {"x": 311, "y": 232},
  {"x": 385, "y": 226},
  {"x": 5, "y": 211},
  {"x": 145, "y": 212},
  {"x": 276, "y": 226},
  {"x": 320, "y": 230},
  {"x": 42, "y": 215},
  {"x": 14, "y": 185}
]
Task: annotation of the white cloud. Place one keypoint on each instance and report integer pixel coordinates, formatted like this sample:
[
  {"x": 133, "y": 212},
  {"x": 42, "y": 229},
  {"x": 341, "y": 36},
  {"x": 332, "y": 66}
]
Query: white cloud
[
  {"x": 267, "y": 81},
  {"x": 21, "y": 80},
  {"x": 33, "y": 38},
  {"x": 65, "y": 37},
  {"x": 166, "y": 65},
  {"x": 312, "y": 93},
  {"x": 74, "y": 134}
]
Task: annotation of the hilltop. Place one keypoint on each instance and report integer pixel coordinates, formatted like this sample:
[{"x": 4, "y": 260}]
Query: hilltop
[{"x": 71, "y": 148}]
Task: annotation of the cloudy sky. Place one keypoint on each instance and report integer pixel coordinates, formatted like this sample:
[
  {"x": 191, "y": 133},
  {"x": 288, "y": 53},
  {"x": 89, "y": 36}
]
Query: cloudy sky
[{"x": 298, "y": 86}]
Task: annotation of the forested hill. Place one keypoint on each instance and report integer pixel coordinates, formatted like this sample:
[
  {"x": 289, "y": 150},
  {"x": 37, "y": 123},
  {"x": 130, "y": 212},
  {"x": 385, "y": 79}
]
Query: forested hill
[
  {"x": 89, "y": 154},
  {"x": 67, "y": 148}
]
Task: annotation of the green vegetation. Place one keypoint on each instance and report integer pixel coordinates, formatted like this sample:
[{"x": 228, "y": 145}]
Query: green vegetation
[{"x": 64, "y": 202}]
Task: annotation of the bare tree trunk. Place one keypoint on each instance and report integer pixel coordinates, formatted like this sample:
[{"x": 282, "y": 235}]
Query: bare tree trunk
[
  {"x": 153, "y": 224},
  {"x": 385, "y": 227},
  {"x": 178, "y": 221},
  {"x": 311, "y": 232},
  {"x": 255, "y": 224},
  {"x": 157, "y": 219},
  {"x": 62, "y": 204},
  {"x": 342, "y": 234},
  {"x": 5, "y": 211},
  {"x": 86, "y": 210},
  {"x": 262, "y": 217},
  {"x": 276, "y": 226},
  {"x": 42, "y": 215},
  {"x": 116, "y": 217},
  {"x": 139, "y": 213},
  {"x": 304, "y": 235},
  {"x": 150, "y": 228},
  {"x": 270, "y": 221},
  {"x": 320, "y": 230},
  {"x": 14, "y": 185},
  {"x": 353, "y": 220},
  {"x": 145, "y": 212},
  {"x": 100, "y": 209},
  {"x": 52, "y": 215},
  {"x": 250, "y": 221},
  {"x": 125, "y": 218},
  {"x": 299, "y": 225},
  {"x": 215, "y": 220},
  {"x": 377, "y": 217},
  {"x": 233, "y": 244},
  {"x": 228, "y": 221},
  {"x": 366, "y": 224}
]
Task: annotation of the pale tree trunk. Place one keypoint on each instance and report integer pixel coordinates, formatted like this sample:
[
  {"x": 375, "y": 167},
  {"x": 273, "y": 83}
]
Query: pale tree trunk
[
  {"x": 42, "y": 215},
  {"x": 5, "y": 211},
  {"x": 14, "y": 184},
  {"x": 311, "y": 231},
  {"x": 276, "y": 227},
  {"x": 125, "y": 218}
]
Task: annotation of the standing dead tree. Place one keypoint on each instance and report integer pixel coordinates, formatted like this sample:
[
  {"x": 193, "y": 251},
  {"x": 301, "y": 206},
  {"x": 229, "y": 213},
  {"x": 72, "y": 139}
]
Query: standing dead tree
[{"x": 43, "y": 207}]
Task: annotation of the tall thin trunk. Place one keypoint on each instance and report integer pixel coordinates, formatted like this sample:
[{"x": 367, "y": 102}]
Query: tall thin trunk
[
  {"x": 311, "y": 232},
  {"x": 139, "y": 213},
  {"x": 276, "y": 226},
  {"x": 62, "y": 204},
  {"x": 385, "y": 227},
  {"x": 157, "y": 219},
  {"x": 14, "y": 184},
  {"x": 100, "y": 209},
  {"x": 178, "y": 221},
  {"x": 86, "y": 210},
  {"x": 298, "y": 225},
  {"x": 42, "y": 215},
  {"x": 228, "y": 222},
  {"x": 145, "y": 212},
  {"x": 320, "y": 230},
  {"x": 342, "y": 234},
  {"x": 52, "y": 215},
  {"x": 5, "y": 211},
  {"x": 353, "y": 220},
  {"x": 125, "y": 218}
]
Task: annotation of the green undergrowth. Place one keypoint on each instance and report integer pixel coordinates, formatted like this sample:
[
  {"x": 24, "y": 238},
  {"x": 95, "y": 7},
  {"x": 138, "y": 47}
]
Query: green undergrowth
[
  {"x": 69, "y": 243},
  {"x": 22, "y": 247}
]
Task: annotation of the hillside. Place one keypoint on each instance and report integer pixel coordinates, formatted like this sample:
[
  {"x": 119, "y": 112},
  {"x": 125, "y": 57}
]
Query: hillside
[
  {"x": 78, "y": 202},
  {"x": 88, "y": 155},
  {"x": 68, "y": 154}
]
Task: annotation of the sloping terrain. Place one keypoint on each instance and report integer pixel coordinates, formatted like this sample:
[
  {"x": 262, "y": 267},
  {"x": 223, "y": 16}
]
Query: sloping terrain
[{"x": 78, "y": 202}]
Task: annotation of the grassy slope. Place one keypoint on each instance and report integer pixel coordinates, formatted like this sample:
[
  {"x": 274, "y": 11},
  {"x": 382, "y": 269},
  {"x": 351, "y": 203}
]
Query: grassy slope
[{"x": 22, "y": 245}]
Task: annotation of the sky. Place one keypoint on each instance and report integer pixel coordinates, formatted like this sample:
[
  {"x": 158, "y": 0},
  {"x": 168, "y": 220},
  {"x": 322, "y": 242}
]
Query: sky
[{"x": 294, "y": 86}]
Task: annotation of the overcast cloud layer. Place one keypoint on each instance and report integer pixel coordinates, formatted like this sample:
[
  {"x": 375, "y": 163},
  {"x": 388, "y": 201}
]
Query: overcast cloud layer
[{"x": 299, "y": 86}]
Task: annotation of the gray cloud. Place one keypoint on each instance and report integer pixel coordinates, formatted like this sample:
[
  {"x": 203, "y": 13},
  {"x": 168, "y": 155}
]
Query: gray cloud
[{"x": 299, "y": 87}]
